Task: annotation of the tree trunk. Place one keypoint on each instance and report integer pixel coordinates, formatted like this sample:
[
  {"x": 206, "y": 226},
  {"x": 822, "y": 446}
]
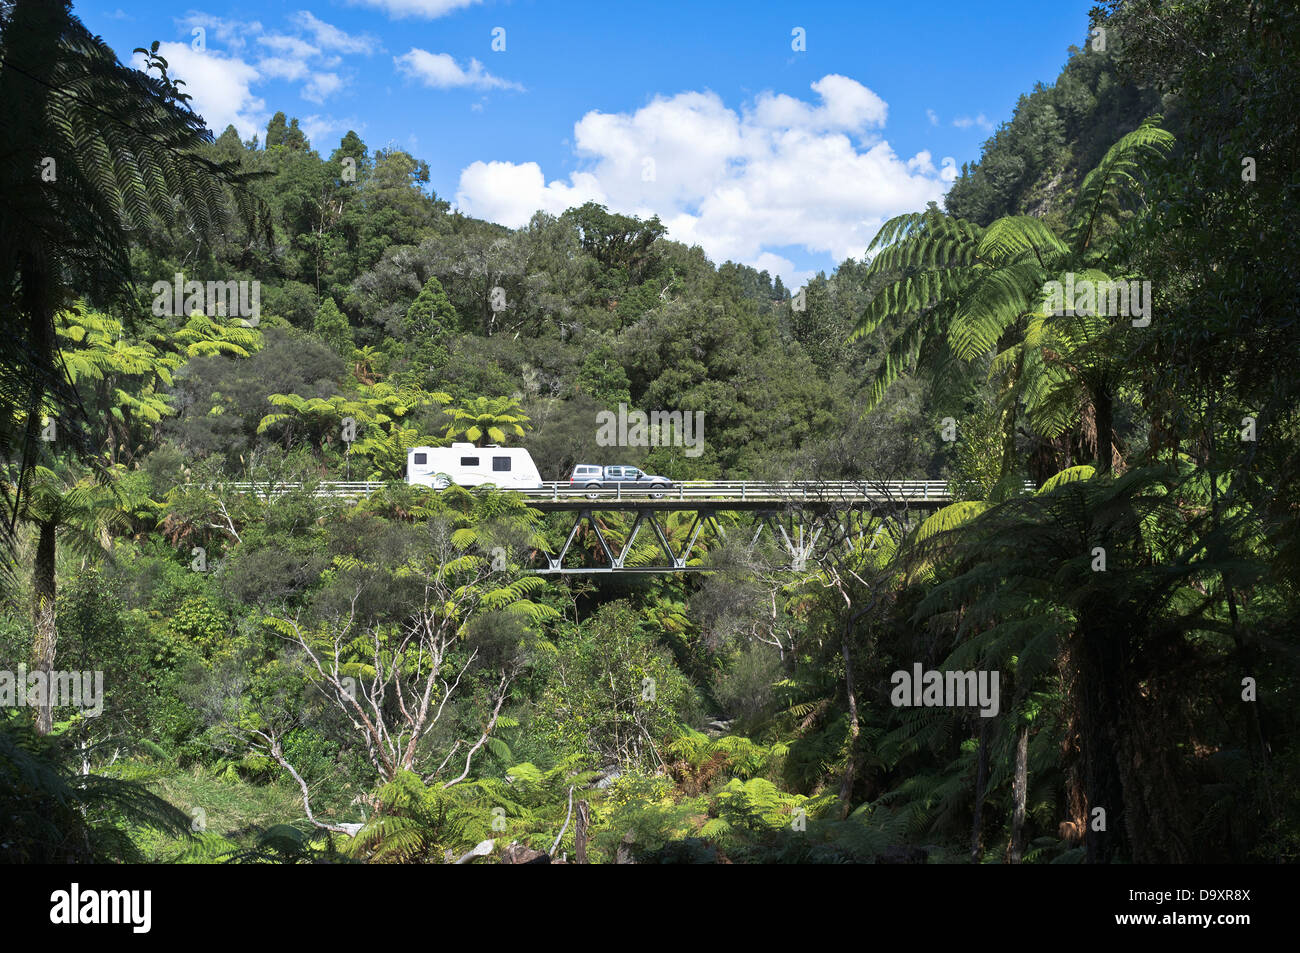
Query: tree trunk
[
  {"x": 43, "y": 602},
  {"x": 1102, "y": 680},
  {"x": 1104, "y": 406},
  {"x": 1010, "y": 458},
  {"x": 624, "y": 855},
  {"x": 981, "y": 777},
  {"x": 1019, "y": 790},
  {"x": 851, "y": 769},
  {"x": 580, "y": 833}
]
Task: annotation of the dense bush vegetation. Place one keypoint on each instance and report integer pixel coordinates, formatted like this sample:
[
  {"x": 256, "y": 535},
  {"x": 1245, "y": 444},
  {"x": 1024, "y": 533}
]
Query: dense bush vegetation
[{"x": 303, "y": 677}]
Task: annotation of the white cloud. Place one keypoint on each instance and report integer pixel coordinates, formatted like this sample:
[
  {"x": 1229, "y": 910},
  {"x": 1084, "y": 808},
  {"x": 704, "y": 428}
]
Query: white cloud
[
  {"x": 781, "y": 172},
  {"x": 932, "y": 116},
  {"x": 233, "y": 33},
  {"x": 293, "y": 47},
  {"x": 221, "y": 87},
  {"x": 846, "y": 105},
  {"x": 922, "y": 163},
  {"x": 274, "y": 67},
  {"x": 329, "y": 37},
  {"x": 510, "y": 193},
  {"x": 440, "y": 71},
  {"x": 430, "y": 9},
  {"x": 320, "y": 86},
  {"x": 965, "y": 122},
  {"x": 309, "y": 51}
]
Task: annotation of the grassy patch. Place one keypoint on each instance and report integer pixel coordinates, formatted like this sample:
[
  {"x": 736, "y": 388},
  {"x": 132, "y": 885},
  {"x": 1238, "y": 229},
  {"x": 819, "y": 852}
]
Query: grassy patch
[{"x": 226, "y": 806}]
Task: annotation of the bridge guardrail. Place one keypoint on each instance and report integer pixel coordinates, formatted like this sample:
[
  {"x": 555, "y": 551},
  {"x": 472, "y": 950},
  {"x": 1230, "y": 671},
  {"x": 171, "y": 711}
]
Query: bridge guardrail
[
  {"x": 746, "y": 490},
  {"x": 693, "y": 490}
]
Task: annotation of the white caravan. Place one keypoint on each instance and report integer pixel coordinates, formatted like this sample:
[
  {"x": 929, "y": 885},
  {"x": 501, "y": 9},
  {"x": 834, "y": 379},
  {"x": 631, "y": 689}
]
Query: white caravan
[{"x": 464, "y": 464}]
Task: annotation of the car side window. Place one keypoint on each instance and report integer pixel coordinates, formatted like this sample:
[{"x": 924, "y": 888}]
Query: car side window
[
  {"x": 421, "y": 459},
  {"x": 469, "y": 461},
  {"x": 500, "y": 464}
]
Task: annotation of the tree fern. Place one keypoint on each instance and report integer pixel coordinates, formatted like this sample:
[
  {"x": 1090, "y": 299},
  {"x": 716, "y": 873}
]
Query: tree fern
[
  {"x": 127, "y": 152},
  {"x": 1114, "y": 178}
]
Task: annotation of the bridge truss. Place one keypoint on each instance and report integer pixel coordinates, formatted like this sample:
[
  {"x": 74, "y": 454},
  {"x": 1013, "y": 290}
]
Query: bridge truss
[{"x": 799, "y": 517}]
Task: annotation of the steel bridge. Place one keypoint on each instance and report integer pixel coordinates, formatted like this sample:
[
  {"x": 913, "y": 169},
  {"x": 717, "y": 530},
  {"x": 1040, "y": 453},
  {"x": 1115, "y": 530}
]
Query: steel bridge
[{"x": 797, "y": 514}]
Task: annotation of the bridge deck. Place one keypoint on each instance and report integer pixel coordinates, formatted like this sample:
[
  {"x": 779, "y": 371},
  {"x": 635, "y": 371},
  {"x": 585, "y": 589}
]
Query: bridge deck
[
  {"x": 688, "y": 495},
  {"x": 804, "y": 504}
]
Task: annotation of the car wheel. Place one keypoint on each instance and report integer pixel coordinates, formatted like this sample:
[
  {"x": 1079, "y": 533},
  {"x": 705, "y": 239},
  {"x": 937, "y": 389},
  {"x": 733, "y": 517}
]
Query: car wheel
[
  {"x": 657, "y": 490},
  {"x": 592, "y": 486}
]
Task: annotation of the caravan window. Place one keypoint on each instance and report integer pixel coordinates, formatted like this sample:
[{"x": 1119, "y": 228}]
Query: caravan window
[
  {"x": 500, "y": 464},
  {"x": 469, "y": 461},
  {"x": 421, "y": 459}
]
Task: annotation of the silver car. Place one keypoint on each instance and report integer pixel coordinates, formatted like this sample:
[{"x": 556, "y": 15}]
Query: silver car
[{"x": 593, "y": 477}]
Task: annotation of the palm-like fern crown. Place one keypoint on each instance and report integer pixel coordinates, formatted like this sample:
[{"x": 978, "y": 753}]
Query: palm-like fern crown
[
  {"x": 93, "y": 149},
  {"x": 924, "y": 259},
  {"x": 493, "y": 419},
  {"x": 959, "y": 292},
  {"x": 126, "y": 152}
]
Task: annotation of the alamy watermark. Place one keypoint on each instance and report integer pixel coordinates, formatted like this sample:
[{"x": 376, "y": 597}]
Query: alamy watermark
[
  {"x": 56, "y": 688},
  {"x": 659, "y": 428},
  {"x": 1123, "y": 299},
  {"x": 236, "y": 299},
  {"x": 934, "y": 689},
  {"x": 128, "y": 907}
]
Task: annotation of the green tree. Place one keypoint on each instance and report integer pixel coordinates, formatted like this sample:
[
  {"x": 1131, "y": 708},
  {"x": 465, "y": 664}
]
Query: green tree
[
  {"x": 414, "y": 823},
  {"x": 391, "y": 207},
  {"x": 288, "y": 135},
  {"x": 431, "y": 316},
  {"x": 619, "y": 242},
  {"x": 124, "y": 381},
  {"x": 351, "y": 147},
  {"x": 80, "y": 513},
  {"x": 1026, "y": 595},
  {"x": 379, "y": 414},
  {"x": 616, "y": 694},
  {"x": 487, "y": 419},
  {"x": 332, "y": 327},
  {"x": 964, "y": 291},
  {"x": 603, "y": 377},
  {"x": 83, "y": 165},
  {"x": 410, "y": 626}
]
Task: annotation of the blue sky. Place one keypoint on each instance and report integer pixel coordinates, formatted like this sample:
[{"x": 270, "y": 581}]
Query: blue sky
[{"x": 705, "y": 114}]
